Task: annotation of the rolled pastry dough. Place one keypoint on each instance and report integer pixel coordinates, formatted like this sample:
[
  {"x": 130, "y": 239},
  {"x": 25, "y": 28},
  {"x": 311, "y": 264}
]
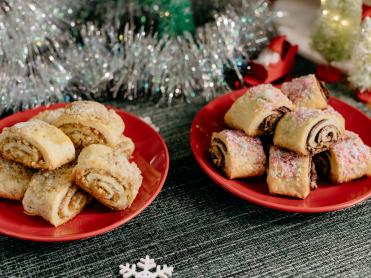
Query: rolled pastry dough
[
  {"x": 49, "y": 116},
  {"x": 53, "y": 196},
  {"x": 309, "y": 131},
  {"x": 36, "y": 144},
  {"x": 14, "y": 179},
  {"x": 258, "y": 110},
  {"x": 88, "y": 122},
  {"x": 108, "y": 176},
  {"x": 237, "y": 155},
  {"x": 290, "y": 174},
  {"x": 126, "y": 147},
  {"x": 347, "y": 160},
  {"x": 306, "y": 91}
]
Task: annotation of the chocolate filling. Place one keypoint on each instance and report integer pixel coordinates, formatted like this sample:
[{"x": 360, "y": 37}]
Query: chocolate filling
[
  {"x": 324, "y": 89},
  {"x": 312, "y": 175},
  {"x": 268, "y": 125},
  {"x": 322, "y": 162},
  {"x": 217, "y": 150},
  {"x": 323, "y": 138}
]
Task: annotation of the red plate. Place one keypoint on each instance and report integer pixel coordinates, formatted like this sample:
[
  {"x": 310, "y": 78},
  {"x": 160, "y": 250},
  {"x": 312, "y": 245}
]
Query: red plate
[
  {"x": 326, "y": 198},
  {"x": 152, "y": 157}
]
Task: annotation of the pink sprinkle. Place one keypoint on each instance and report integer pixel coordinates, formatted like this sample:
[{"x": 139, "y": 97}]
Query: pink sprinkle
[
  {"x": 351, "y": 154},
  {"x": 244, "y": 143},
  {"x": 283, "y": 163},
  {"x": 301, "y": 115},
  {"x": 299, "y": 88},
  {"x": 269, "y": 96}
]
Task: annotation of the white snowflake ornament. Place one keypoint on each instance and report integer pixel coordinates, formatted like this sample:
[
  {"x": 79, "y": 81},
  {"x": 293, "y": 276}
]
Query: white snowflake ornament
[{"x": 146, "y": 265}]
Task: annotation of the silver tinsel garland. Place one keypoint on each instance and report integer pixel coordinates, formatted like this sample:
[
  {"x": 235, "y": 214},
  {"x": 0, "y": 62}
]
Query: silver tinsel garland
[
  {"x": 30, "y": 72},
  {"x": 130, "y": 65},
  {"x": 32, "y": 26}
]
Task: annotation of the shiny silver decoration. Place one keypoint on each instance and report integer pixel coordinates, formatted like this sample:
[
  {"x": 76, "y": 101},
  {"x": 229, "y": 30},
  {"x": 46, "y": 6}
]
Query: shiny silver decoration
[{"x": 51, "y": 65}]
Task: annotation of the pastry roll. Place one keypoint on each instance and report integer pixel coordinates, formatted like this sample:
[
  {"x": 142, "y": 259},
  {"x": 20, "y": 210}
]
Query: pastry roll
[
  {"x": 309, "y": 131},
  {"x": 36, "y": 144},
  {"x": 237, "y": 155},
  {"x": 49, "y": 116},
  {"x": 88, "y": 122},
  {"x": 290, "y": 174},
  {"x": 126, "y": 147},
  {"x": 347, "y": 160},
  {"x": 107, "y": 176},
  {"x": 53, "y": 196},
  {"x": 306, "y": 91},
  {"x": 14, "y": 180},
  {"x": 258, "y": 110}
]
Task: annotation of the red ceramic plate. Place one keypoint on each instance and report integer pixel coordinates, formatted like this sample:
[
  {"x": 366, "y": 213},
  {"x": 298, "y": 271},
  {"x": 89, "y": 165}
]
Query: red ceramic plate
[
  {"x": 326, "y": 198},
  {"x": 152, "y": 157}
]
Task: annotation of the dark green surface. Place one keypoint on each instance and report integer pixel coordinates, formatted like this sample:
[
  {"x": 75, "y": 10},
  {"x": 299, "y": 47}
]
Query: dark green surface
[{"x": 203, "y": 231}]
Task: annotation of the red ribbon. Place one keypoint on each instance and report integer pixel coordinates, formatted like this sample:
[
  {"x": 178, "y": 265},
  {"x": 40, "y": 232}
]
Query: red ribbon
[
  {"x": 260, "y": 74},
  {"x": 364, "y": 96},
  {"x": 366, "y": 11},
  {"x": 328, "y": 73}
]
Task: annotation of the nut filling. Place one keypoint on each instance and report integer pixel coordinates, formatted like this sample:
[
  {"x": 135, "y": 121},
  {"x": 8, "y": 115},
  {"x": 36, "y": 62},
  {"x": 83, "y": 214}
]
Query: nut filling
[
  {"x": 72, "y": 203},
  {"x": 22, "y": 151},
  {"x": 102, "y": 184},
  {"x": 83, "y": 136}
]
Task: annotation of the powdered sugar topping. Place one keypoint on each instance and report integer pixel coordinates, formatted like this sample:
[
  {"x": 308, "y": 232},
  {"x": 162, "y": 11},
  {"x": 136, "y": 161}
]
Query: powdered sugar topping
[
  {"x": 87, "y": 108},
  {"x": 351, "y": 154},
  {"x": 34, "y": 123},
  {"x": 299, "y": 88},
  {"x": 244, "y": 144},
  {"x": 284, "y": 163},
  {"x": 268, "y": 96},
  {"x": 302, "y": 115}
]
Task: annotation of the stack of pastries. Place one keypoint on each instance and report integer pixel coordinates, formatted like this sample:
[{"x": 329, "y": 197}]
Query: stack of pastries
[
  {"x": 292, "y": 135},
  {"x": 56, "y": 162}
]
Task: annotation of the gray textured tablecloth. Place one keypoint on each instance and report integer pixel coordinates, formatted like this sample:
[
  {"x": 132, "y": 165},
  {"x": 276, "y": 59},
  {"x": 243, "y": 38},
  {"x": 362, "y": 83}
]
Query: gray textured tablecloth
[{"x": 204, "y": 231}]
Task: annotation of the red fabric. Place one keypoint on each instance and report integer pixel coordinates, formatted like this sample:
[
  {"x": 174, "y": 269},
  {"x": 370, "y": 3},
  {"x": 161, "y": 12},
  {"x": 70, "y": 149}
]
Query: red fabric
[
  {"x": 277, "y": 44},
  {"x": 366, "y": 11},
  {"x": 328, "y": 73},
  {"x": 364, "y": 96},
  {"x": 260, "y": 74}
]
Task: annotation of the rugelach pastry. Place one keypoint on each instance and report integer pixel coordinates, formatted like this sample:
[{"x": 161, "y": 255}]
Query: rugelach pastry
[
  {"x": 88, "y": 122},
  {"x": 258, "y": 110},
  {"x": 108, "y": 176},
  {"x": 237, "y": 155},
  {"x": 36, "y": 144},
  {"x": 309, "y": 131},
  {"x": 14, "y": 179},
  {"x": 126, "y": 147},
  {"x": 347, "y": 160},
  {"x": 49, "y": 116},
  {"x": 53, "y": 196},
  {"x": 306, "y": 91},
  {"x": 290, "y": 174}
]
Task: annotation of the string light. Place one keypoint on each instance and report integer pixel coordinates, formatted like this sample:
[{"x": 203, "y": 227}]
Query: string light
[{"x": 337, "y": 28}]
